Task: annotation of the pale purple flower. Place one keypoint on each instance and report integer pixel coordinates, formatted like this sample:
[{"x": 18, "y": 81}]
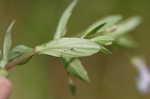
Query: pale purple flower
[{"x": 143, "y": 80}]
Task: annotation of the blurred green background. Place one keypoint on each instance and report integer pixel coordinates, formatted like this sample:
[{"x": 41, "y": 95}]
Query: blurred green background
[{"x": 113, "y": 77}]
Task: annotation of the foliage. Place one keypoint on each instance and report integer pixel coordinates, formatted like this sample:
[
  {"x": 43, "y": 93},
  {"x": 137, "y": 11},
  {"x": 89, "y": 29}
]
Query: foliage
[{"x": 95, "y": 39}]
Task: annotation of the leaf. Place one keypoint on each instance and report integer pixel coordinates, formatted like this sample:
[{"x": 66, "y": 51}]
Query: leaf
[
  {"x": 75, "y": 68},
  {"x": 72, "y": 86},
  {"x": 7, "y": 44},
  {"x": 69, "y": 47},
  {"x": 105, "y": 51},
  {"x": 126, "y": 42},
  {"x": 93, "y": 29},
  {"x": 101, "y": 25},
  {"x": 103, "y": 40},
  {"x": 19, "y": 51},
  {"x": 61, "y": 29},
  {"x": 125, "y": 27}
]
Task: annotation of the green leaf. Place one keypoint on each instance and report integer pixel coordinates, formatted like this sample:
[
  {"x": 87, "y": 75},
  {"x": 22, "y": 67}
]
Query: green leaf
[
  {"x": 75, "y": 68},
  {"x": 93, "y": 29},
  {"x": 7, "y": 44},
  {"x": 19, "y": 51},
  {"x": 103, "y": 40},
  {"x": 126, "y": 42},
  {"x": 72, "y": 87},
  {"x": 61, "y": 29},
  {"x": 69, "y": 47},
  {"x": 101, "y": 25},
  {"x": 105, "y": 51},
  {"x": 125, "y": 27}
]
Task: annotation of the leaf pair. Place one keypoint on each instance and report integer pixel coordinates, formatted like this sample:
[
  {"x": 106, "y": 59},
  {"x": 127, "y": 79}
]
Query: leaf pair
[{"x": 10, "y": 54}]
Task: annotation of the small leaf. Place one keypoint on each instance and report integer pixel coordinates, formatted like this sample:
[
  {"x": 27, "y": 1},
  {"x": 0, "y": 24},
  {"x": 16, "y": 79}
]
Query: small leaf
[
  {"x": 103, "y": 40},
  {"x": 105, "y": 51},
  {"x": 7, "y": 44},
  {"x": 19, "y": 51},
  {"x": 125, "y": 27},
  {"x": 69, "y": 47},
  {"x": 101, "y": 25},
  {"x": 61, "y": 29},
  {"x": 75, "y": 68},
  {"x": 126, "y": 42},
  {"x": 72, "y": 87},
  {"x": 93, "y": 29}
]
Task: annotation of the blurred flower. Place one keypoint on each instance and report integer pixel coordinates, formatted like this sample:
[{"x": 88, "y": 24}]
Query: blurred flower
[{"x": 143, "y": 80}]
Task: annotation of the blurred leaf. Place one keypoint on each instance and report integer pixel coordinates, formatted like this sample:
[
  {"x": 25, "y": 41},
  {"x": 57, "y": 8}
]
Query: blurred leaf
[
  {"x": 69, "y": 47},
  {"x": 125, "y": 27},
  {"x": 105, "y": 51},
  {"x": 126, "y": 42},
  {"x": 19, "y": 51},
  {"x": 103, "y": 40},
  {"x": 7, "y": 44},
  {"x": 61, "y": 29},
  {"x": 72, "y": 87},
  {"x": 75, "y": 68},
  {"x": 101, "y": 25}
]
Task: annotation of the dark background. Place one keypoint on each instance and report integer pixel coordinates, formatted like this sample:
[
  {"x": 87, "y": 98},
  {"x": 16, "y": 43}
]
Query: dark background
[{"x": 113, "y": 76}]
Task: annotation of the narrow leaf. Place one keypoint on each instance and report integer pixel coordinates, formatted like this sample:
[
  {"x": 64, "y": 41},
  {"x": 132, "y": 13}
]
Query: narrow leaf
[
  {"x": 101, "y": 25},
  {"x": 69, "y": 47},
  {"x": 19, "y": 51},
  {"x": 62, "y": 26},
  {"x": 103, "y": 40},
  {"x": 7, "y": 41},
  {"x": 126, "y": 42},
  {"x": 7, "y": 44},
  {"x": 75, "y": 68},
  {"x": 125, "y": 27},
  {"x": 105, "y": 51},
  {"x": 93, "y": 29}
]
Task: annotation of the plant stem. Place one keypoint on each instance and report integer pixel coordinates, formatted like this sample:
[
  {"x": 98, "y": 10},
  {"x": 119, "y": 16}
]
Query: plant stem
[{"x": 19, "y": 60}]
